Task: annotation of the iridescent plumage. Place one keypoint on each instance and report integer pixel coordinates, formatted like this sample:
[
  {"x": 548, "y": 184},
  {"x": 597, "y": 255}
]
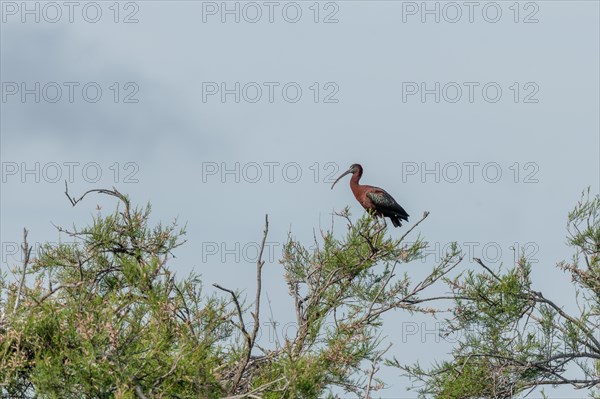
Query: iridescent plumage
[{"x": 374, "y": 199}]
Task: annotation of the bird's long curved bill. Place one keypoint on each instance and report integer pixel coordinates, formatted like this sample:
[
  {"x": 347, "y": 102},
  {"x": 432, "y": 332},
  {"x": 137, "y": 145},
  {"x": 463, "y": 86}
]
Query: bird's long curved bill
[{"x": 342, "y": 175}]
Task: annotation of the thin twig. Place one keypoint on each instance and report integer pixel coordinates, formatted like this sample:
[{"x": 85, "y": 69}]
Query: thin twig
[
  {"x": 487, "y": 268},
  {"x": 26, "y": 256},
  {"x": 255, "y": 315},
  {"x": 252, "y": 393},
  {"x": 138, "y": 390},
  {"x": 259, "y": 265},
  {"x": 112, "y": 192},
  {"x": 425, "y": 214},
  {"x": 374, "y": 369},
  {"x": 242, "y": 325},
  {"x": 60, "y": 287},
  {"x": 250, "y": 337}
]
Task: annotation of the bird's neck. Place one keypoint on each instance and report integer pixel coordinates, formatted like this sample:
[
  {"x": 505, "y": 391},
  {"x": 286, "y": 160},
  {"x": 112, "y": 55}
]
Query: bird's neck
[{"x": 354, "y": 181}]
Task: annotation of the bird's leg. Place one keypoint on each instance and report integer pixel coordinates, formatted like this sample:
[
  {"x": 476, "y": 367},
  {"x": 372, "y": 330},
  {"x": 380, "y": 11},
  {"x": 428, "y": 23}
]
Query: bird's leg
[
  {"x": 373, "y": 214},
  {"x": 377, "y": 215}
]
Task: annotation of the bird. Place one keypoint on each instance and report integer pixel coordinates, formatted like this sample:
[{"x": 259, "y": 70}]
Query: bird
[{"x": 374, "y": 199}]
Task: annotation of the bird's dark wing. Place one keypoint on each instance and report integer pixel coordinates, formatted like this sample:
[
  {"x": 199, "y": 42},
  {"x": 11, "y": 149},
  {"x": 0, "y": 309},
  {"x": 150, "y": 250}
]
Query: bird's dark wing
[{"x": 386, "y": 203}]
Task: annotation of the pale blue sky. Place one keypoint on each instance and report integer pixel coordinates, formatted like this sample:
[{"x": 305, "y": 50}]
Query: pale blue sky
[{"x": 174, "y": 137}]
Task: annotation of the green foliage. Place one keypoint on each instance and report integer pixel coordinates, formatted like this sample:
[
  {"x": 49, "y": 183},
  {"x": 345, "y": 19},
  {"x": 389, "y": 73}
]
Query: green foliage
[
  {"x": 514, "y": 338},
  {"x": 106, "y": 318},
  {"x": 347, "y": 285}
]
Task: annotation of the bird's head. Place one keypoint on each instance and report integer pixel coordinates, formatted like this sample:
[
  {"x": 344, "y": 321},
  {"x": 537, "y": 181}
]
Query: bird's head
[{"x": 355, "y": 168}]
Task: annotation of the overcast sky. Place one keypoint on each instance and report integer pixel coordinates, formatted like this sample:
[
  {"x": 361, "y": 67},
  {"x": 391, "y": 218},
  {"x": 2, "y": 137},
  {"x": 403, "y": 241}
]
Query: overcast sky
[{"x": 484, "y": 114}]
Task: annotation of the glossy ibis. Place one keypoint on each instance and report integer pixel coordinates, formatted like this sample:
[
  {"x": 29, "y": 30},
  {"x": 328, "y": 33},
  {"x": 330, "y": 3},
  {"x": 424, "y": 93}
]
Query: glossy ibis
[{"x": 374, "y": 199}]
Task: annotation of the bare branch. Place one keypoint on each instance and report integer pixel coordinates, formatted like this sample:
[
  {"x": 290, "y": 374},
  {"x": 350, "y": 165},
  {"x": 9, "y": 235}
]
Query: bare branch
[
  {"x": 242, "y": 325},
  {"x": 252, "y": 394},
  {"x": 56, "y": 289},
  {"x": 138, "y": 390},
  {"x": 487, "y": 268},
  {"x": 539, "y": 297},
  {"x": 425, "y": 214},
  {"x": 374, "y": 370},
  {"x": 26, "y": 256},
  {"x": 250, "y": 337},
  {"x": 112, "y": 192},
  {"x": 259, "y": 265}
]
